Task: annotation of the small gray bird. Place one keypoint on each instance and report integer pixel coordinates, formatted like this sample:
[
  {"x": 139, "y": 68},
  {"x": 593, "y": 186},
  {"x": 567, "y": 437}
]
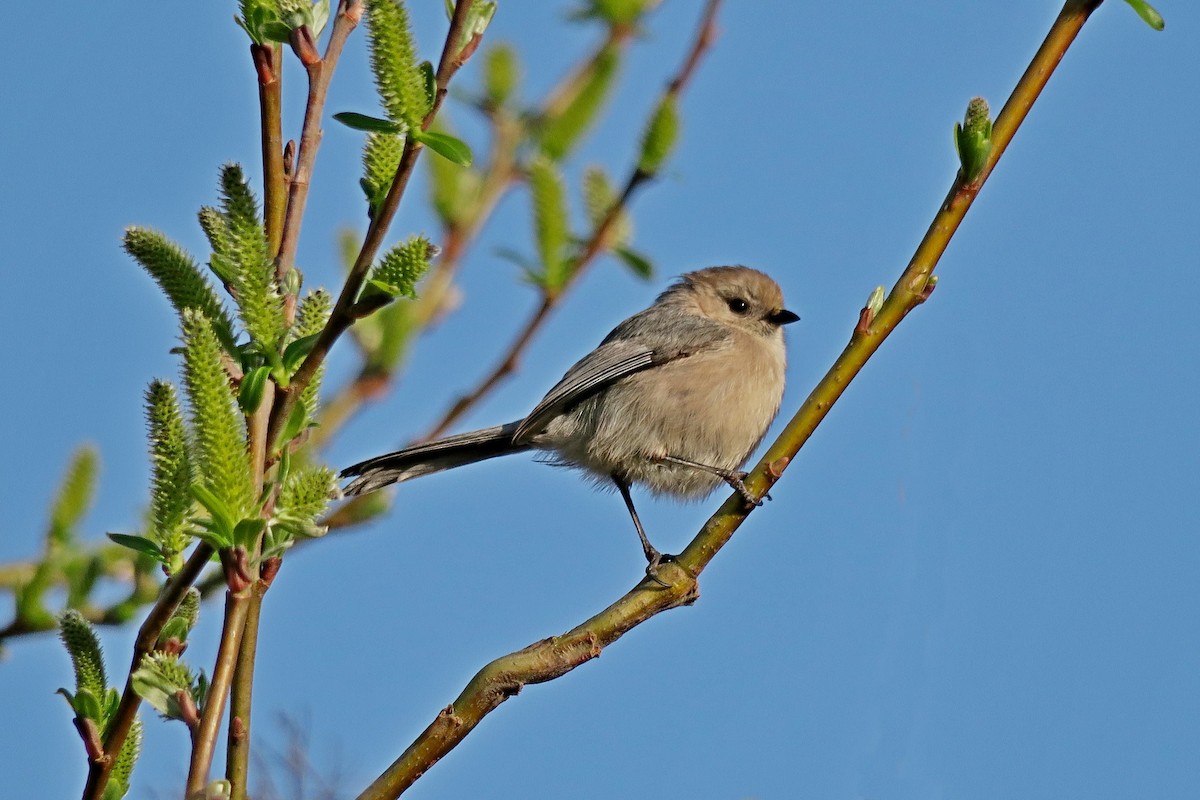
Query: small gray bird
[{"x": 676, "y": 398}]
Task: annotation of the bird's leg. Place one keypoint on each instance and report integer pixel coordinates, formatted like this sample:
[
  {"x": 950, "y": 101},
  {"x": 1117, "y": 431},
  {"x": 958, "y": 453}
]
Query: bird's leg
[
  {"x": 733, "y": 478},
  {"x": 653, "y": 557}
]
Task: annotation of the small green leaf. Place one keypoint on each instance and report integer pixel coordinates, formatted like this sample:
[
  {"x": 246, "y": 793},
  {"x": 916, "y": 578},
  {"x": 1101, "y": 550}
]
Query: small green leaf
[
  {"x": 250, "y": 393},
  {"x": 138, "y": 544},
  {"x": 445, "y": 145},
  {"x": 276, "y": 32},
  {"x": 87, "y": 706},
  {"x": 295, "y": 424},
  {"x": 1148, "y": 14},
  {"x": 247, "y": 531},
  {"x": 319, "y": 17},
  {"x": 222, "y": 516},
  {"x": 362, "y": 122},
  {"x": 295, "y": 353},
  {"x": 636, "y": 262}
]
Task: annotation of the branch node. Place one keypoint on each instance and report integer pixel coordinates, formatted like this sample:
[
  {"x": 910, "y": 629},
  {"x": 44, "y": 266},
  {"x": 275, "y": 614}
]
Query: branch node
[{"x": 775, "y": 468}]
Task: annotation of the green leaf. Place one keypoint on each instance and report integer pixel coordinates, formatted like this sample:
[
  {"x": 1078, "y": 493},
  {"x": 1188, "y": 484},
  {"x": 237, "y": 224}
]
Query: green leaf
[
  {"x": 159, "y": 679},
  {"x": 276, "y": 32},
  {"x": 220, "y": 514},
  {"x": 295, "y": 353},
  {"x": 362, "y": 122},
  {"x": 87, "y": 706},
  {"x": 636, "y": 262},
  {"x": 445, "y": 145},
  {"x": 254, "y": 384},
  {"x": 318, "y": 17},
  {"x": 246, "y": 532},
  {"x": 479, "y": 16},
  {"x": 296, "y": 423},
  {"x": 1148, "y": 14},
  {"x": 138, "y": 544},
  {"x": 454, "y": 189}
]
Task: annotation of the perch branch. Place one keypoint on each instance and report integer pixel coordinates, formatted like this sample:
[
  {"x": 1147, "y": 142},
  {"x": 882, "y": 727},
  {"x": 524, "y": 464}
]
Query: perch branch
[{"x": 551, "y": 658}]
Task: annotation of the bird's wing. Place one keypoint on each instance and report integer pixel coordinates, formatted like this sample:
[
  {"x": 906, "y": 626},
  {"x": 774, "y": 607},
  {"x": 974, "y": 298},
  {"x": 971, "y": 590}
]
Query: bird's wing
[{"x": 604, "y": 366}]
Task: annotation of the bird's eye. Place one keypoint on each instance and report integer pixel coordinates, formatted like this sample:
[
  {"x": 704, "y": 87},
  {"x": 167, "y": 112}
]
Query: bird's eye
[{"x": 737, "y": 305}]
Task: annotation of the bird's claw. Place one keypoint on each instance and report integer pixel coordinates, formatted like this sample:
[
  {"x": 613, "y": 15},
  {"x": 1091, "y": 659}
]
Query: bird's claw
[
  {"x": 653, "y": 560},
  {"x": 735, "y": 480}
]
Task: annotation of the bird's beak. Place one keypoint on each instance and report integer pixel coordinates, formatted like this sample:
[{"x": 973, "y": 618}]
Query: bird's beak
[{"x": 783, "y": 317}]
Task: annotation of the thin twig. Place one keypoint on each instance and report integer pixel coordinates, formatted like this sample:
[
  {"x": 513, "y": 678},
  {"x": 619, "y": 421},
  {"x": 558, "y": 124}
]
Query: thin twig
[
  {"x": 342, "y": 315},
  {"x": 237, "y": 745},
  {"x": 551, "y": 658},
  {"x": 204, "y": 740},
  {"x": 240, "y": 681},
  {"x": 118, "y": 727},
  {"x": 705, "y": 35},
  {"x": 269, "y": 63},
  {"x": 320, "y": 73}
]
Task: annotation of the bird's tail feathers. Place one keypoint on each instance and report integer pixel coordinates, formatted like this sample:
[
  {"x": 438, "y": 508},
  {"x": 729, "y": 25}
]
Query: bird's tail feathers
[{"x": 429, "y": 457}]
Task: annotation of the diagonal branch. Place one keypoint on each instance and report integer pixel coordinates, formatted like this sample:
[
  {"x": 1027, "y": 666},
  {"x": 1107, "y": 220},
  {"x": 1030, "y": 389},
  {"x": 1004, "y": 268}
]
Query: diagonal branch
[
  {"x": 342, "y": 317},
  {"x": 596, "y": 244},
  {"x": 553, "y": 657},
  {"x": 122, "y": 721}
]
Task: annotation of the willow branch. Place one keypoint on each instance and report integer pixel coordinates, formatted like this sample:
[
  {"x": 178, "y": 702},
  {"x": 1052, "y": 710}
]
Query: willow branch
[
  {"x": 118, "y": 728},
  {"x": 237, "y": 745},
  {"x": 553, "y": 657},
  {"x": 204, "y": 740},
  {"x": 269, "y": 67},
  {"x": 320, "y": 73},
  {"x": 342, "y": 315},
  {"x": 596, "y": 244}
]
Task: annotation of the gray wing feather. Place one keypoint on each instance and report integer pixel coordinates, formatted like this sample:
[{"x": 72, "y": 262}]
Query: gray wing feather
[{"x": 602, "y": 367}]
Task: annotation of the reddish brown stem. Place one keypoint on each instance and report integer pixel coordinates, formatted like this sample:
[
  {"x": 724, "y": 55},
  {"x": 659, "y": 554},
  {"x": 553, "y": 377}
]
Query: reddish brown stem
[{"x": 508, "y": 362}]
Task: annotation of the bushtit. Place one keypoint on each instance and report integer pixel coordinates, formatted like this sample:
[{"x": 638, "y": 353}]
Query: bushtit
[{"x": 675, "y": 399}]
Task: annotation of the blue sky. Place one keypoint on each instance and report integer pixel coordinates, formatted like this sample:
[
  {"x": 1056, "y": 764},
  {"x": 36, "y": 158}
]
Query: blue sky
[{"x": 979, "y": 579}]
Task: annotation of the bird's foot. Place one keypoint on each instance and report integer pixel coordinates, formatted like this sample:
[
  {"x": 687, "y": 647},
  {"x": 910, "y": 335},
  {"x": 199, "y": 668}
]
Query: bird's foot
[
  {"x": 654, "y": 559},
  {"x": 735, "y": 481}
]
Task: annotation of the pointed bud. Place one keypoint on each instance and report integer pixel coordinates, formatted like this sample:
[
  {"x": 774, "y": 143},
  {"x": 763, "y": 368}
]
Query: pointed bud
[{"x": 973, "y": 139}]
